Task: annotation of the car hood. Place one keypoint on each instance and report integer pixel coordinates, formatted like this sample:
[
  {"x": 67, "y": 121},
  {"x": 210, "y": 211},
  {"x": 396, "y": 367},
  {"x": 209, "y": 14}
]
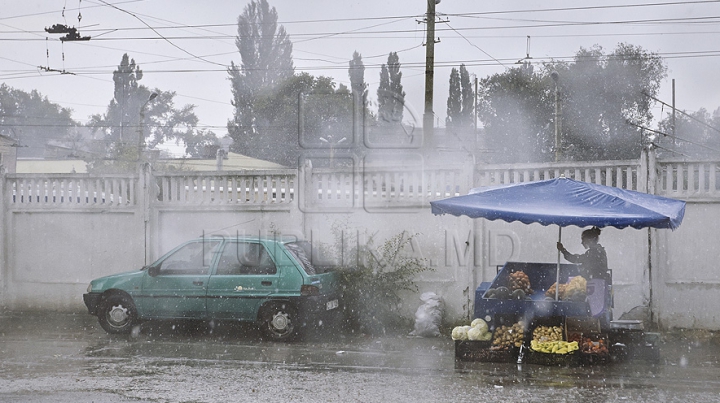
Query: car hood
[{"x": 128, "y": 281}]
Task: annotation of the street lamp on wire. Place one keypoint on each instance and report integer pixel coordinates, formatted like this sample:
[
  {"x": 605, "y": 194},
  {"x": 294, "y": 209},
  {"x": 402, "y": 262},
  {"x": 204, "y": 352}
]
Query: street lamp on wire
[
  {"x": 141, "y": 131},
  {"x": 332, "y": 144}
]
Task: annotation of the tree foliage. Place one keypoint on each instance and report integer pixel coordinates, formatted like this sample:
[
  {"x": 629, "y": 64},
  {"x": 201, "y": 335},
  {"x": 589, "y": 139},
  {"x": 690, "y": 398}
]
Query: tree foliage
[
  {"x": 324, "y": 110},
  {"x": 390, "y": 94},
  {"x": 266, "y": 54},
  {"x": 32, "y": 120},
  {"x": 373, "y": 289},
  {"x": 356, "y": 73},
  {"x": 695, "y": 135},
  {"x": 134, "y": 120},
  {"x": 454, "y": 101},
  {"x": 467, "y": 112},
  {"x": 276, "y": 111},
  {"x": 461, "y": 100},
  {"x": 516, "y": 111},
  {"x": 359, "y": 88},
  {"x": 599, "y": 94}
]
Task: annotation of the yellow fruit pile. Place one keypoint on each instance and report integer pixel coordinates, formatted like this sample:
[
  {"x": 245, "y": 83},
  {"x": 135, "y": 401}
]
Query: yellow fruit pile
[{"x": 554, "y": 347}]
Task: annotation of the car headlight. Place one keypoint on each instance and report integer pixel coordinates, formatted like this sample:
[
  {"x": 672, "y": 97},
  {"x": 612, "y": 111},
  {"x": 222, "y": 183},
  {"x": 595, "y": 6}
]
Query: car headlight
[{"x": 89, "y": 289}]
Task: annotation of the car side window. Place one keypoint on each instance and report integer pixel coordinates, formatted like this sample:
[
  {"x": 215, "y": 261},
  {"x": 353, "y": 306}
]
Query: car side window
[
  {"x": 245, "y": 258},
  {"x": 192, "y": 258}
]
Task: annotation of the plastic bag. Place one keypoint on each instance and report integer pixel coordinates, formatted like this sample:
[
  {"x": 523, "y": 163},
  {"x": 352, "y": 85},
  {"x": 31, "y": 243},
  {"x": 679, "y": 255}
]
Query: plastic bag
[{"x": 428, "y": 316}]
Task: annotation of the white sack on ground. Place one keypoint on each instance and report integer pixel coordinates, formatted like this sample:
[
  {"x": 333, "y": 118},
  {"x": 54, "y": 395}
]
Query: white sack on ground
[{"x": 428, "y": 316}]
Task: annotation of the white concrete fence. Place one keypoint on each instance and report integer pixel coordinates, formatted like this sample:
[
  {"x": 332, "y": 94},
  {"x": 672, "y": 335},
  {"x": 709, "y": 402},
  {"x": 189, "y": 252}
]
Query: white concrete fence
[{"x": 60, "y": 231}]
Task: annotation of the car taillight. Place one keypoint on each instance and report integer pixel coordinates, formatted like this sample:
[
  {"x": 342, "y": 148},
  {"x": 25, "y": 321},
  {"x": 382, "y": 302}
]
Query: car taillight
[{"x": 308, "y": 290}]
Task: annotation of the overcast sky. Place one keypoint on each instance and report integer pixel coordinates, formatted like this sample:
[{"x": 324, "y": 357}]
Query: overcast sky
[{"x": 488, "y": 36}]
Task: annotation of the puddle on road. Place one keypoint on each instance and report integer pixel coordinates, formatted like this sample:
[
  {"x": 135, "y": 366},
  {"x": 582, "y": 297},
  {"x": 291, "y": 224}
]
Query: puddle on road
[{"x": 167, "y": 362}]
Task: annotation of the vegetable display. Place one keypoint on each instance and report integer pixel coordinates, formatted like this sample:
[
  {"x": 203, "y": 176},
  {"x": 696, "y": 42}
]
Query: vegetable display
[
  {"x": 547, "y": 333},
  {"x": 506, "y": 337},
  {"x": 550, "y": 293},
  {"x": 518, "y": 287},
  {"x": 554, "y": 347},
  {"x": 520, "y": 281},
  {"x": 574, "y": 290},
  {"x": 477, "y": 331},
  {"x": 593, "y": 344}
]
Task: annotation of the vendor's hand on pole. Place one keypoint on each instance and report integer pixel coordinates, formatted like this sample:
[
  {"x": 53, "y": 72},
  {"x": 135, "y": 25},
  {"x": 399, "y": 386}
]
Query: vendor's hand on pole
[{"x": 560, "y": 247}]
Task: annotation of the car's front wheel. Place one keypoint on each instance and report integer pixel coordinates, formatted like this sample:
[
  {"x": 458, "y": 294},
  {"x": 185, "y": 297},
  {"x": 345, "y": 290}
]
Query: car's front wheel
[
  {"x": 117, "y": 314},
  {"x": 279, "y": 321}
]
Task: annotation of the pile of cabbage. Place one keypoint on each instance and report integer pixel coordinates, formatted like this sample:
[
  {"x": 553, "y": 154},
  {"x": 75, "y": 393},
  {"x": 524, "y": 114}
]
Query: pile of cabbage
[{"x": 478, "y": 330}]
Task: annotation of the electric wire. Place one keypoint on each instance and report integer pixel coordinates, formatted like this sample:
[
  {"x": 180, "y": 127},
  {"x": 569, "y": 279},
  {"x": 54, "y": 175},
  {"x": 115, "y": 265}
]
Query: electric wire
[
  {"x": 674, "y": 137},
  {"x": 159, "y": 34},
  {"x": 682, "y": 112},
  {"x": 477, "y": 47}
]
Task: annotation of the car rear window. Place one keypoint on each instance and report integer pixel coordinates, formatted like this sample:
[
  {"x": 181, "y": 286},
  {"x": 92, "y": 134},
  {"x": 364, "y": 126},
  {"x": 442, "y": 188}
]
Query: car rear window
[{"x": 302, "y": 251}]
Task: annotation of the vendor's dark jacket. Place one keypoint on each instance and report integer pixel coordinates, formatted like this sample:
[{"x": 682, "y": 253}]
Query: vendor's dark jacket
[{"x": 593, "y": 263}]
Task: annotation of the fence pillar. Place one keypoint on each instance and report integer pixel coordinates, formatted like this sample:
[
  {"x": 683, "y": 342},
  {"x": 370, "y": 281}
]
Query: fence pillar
[
  {"x": 4, "y": 219},
  {"x": 144, "y": 194},
  {"x": 652, "y": 238}
]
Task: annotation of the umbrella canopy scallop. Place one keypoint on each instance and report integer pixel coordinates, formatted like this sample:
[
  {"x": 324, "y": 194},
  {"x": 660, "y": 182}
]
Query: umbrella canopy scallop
[{"x": 564, "y": 202}]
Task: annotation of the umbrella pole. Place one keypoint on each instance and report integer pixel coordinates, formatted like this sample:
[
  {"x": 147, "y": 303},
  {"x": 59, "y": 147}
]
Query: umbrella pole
[{"x": 557, "y": 270}]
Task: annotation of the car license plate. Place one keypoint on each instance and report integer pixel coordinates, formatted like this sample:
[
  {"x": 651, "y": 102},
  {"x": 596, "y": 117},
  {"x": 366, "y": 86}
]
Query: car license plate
[{"x": 332, "y": 304}]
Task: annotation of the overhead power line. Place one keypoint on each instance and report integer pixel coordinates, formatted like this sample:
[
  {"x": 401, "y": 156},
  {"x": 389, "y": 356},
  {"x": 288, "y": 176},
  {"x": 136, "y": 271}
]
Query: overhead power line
[
  {"x": 673, "y": 137},
  {"x": 158, "y": 33},
  {"x": 682, "y": 112},
  {"x": 712, "y": 19}
]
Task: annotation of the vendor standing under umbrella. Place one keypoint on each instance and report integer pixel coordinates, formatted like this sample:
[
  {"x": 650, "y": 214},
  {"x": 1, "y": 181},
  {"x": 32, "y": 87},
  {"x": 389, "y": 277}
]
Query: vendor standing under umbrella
[{"x": 593, "y": 263}]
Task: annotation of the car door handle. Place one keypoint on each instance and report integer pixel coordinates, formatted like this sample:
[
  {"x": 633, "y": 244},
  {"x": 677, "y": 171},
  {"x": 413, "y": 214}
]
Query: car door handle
[
  {"x": 197, "y": 282},
  {"x": 266, "y": 283}
]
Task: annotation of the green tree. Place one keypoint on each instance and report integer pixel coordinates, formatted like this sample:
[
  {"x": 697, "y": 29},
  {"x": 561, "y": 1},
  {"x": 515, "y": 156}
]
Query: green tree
[
  {"x": 356, "y": 73},
  {"x": 461, "y": 100},
  {"x": 696, "y": 135},
  {"x": 599, "y": 94},
  {"x": 391, "y": 97},
  {"x": 324, "y": 110},
  {"x": 468, "y": 98},
  {"x": 133, "y": 113},
  {"x": 266, "y": 54},
  {"x": 32, "y": 120},
  {"x": 516, "y": 111},
  {"x": 454, "y": 101}
]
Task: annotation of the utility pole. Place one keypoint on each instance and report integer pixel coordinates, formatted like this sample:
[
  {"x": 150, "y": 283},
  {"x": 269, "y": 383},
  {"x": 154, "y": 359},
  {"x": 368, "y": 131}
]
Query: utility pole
[
  {"x": 558, "y": 124},
  {"x": 673, "y": 111},
  {"x": 476, "y": 104},
  {"x": 429, "y": 69},
  {"x": 141, "y": 130}
]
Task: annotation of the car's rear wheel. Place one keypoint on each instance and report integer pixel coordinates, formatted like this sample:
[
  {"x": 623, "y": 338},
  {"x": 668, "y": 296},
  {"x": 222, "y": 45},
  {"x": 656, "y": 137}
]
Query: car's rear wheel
[
  {"x": 117, "y": 314},
  {"x": 279, "y": 321}
]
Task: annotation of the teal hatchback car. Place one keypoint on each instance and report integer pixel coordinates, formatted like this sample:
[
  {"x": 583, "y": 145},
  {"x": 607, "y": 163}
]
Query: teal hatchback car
[{"x": 270, "y": 281}]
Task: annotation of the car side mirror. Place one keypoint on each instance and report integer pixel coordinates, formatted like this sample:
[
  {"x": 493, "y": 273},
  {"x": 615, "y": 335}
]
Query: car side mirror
[{"x": 153, "y": 271}]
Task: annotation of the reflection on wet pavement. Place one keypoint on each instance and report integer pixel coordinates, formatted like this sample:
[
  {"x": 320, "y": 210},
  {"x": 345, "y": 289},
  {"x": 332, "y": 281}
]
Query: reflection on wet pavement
[{"x": 71, "y": 358}]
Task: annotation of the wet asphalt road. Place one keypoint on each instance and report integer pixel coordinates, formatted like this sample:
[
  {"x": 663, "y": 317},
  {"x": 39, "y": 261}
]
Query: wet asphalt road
[{"x": 69, "y": 358}]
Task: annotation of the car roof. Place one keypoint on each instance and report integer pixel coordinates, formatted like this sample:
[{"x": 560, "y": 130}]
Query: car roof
[{"x": 280, "y": 238}]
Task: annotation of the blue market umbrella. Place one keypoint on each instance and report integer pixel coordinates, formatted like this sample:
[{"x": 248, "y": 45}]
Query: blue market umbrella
[{"x": 564, "y": 202}]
